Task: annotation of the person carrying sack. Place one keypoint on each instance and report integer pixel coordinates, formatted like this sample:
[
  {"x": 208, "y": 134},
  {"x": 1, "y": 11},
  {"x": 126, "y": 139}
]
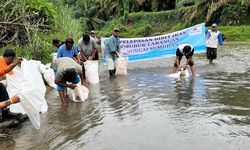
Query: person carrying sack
[{"x": 113, "y": 51}]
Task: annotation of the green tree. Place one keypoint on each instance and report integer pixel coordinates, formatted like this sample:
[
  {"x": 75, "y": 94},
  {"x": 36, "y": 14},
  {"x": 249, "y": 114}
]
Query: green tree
[{"x": 89, "y": 11}]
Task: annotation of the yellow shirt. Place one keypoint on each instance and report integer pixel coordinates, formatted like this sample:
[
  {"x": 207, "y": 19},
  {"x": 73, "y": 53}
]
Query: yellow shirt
[{"x": 3, "y": 65}]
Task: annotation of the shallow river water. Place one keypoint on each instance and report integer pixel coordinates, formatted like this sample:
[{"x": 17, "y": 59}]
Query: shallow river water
[{"x": 147, "y": 110}]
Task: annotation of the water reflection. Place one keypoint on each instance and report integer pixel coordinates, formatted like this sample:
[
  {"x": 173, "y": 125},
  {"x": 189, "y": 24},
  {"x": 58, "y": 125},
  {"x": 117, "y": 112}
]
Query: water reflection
[{"x": 184, "y": 90}]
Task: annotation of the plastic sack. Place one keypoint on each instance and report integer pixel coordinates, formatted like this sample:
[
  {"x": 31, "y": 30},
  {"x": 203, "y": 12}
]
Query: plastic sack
[
  {"x": 48, "y": 74},
  {"x": 110, "y": 63},
  {"x": 184, "y": 73},
  {"x": 79, "y": 94},
  {"x": 54, "y": 56},
  {"x": 121, "y": 67},
  {"x": 91, "y": 71},
  {"x": 28, "y": 84},
  {"x": 46, "y": 71},
  {"x": 180, "y": 74}
]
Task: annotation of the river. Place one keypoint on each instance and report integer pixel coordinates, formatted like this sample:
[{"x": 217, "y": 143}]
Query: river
[{"x": 147, "y": 110}]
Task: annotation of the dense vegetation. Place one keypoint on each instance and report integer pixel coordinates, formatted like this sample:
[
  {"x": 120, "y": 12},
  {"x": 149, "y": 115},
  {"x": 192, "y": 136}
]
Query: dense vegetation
[{"x": 30, "y": 25}]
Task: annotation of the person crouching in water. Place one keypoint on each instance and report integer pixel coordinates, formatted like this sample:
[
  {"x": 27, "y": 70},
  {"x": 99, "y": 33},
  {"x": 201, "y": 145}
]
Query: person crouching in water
[
  {"x": 67, "y": 75},
  {"x": 112, "y": 51},
  {"x": 188, "y": 51}
]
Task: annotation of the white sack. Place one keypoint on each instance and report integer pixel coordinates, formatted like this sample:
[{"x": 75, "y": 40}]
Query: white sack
[
  {"x": 91, "y": 71},
  {"x": 121, "y": 66},
  {"x": 79, "y": 94},
  {"x": 28, "y": 84}
]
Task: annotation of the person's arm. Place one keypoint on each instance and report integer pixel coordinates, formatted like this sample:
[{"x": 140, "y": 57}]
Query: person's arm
[
  {"x": 117, "y": 53},
  {"x": 13, "y": 100},
  {"x": 177, "y": 58},
  {"x": 83, "y": 55},
  {"x": 177, "y": 62},
  {"x": 58, "y": 78},
  {"x": 94, "y": 45},
  {"x": 220, "y": 39},
  {"x": 75, "y": 56},
  {"x": 13, "y": 65},
  {"x": 82, "y": 79},
  {"x": 72, "y": 86},
  {"x": 93, "y": 54}
]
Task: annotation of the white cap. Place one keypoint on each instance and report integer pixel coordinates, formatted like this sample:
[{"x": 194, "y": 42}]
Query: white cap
[
  {"x": 92, "y": 31},
  {"x": 214, "y": 25}
]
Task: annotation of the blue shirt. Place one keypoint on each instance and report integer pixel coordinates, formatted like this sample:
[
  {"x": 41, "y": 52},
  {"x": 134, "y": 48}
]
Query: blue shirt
[
  {"x": 63, "y": 52},
  {"x": 113, "y": 44}
]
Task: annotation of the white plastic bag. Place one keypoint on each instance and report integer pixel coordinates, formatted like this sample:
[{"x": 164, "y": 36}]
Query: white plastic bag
[
  {"x": 180, "y": 74},
  {"x": 91, "y": 71},
  {"x": 184, "y": 73},
  {"x": 48, "y": 74},
  {"x": 28, "y": 84},
  {"x": 121, "y": 67},
  {"x": 79, "y": 94},
  {"x": 110, "y": 63}
]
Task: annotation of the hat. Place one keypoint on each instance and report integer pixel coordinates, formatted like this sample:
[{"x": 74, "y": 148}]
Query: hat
[
  {"x": 92, "y": 32},
  {"x": 214, "y": 25},
  {"x": 116, "y": 30}
]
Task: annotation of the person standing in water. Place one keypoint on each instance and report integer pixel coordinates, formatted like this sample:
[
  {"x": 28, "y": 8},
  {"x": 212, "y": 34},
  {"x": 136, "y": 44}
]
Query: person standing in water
[
  {"x": 213, "y": 39},
  {"x": 112, "y": 51},
  {"x": 188, "y": 51}
]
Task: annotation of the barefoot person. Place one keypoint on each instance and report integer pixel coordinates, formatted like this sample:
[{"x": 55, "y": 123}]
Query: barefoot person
[
  {"x": 67, "y": 75},
  {"x": 188, "y": 51}
]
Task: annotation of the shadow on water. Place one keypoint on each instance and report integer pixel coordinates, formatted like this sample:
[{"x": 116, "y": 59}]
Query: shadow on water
[{"x": 148, "y": 110}]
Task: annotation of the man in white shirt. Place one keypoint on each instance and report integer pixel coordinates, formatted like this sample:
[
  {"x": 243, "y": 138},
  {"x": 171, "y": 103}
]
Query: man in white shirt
[{"x": 213, "y": 39}]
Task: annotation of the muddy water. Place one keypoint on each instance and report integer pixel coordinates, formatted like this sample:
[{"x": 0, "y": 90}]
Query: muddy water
[{"x": 147, "y": 110}]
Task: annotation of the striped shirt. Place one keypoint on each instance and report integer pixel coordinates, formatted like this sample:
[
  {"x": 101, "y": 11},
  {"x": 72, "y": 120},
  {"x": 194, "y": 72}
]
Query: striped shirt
[{"x": 64, "y": 63}]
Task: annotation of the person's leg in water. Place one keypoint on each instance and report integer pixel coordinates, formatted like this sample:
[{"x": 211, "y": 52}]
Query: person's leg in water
[
  {"x": 112, "y": 65},
  {"x": 192, "y": 67},
  {"x": 83, "y": 73},
  {"x": 61, "y": 91},
  {"x": 214, "y": 56},
  {"x": 211, "y": 54}
]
